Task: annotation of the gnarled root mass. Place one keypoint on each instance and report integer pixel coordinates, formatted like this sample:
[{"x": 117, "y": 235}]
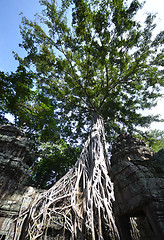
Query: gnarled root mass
[{"x": 79, "y": 205}]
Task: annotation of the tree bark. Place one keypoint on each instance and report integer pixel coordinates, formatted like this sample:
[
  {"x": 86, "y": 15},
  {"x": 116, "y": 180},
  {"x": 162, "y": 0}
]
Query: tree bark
[{"x": 79, "y": 205}]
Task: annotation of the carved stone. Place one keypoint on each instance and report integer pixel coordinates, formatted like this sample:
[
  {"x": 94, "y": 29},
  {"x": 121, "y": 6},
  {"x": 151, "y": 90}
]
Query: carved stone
[{"x": 138, "y": 178}]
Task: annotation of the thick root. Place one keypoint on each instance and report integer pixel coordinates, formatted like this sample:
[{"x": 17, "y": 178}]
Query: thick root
[{"x": 79, "y": 205}]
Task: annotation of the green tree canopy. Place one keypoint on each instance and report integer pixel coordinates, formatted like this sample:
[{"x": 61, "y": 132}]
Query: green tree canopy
[
  {"x": 94, "y": 56},
  {"x": 89, "y": 57},
  {"x": 155, "y": 139},
  {"x": 54, "y": 161},
  {"x": 31, "y": 109},
  {"x": 15, "y": 90}
]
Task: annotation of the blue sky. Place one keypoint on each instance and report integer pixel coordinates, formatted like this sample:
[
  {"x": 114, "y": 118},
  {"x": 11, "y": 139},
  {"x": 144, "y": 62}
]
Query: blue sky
[
  {"x": 10, "y": 20},
  {"x": 9, "y": 29},
  {"x": 10, "y": 35}
]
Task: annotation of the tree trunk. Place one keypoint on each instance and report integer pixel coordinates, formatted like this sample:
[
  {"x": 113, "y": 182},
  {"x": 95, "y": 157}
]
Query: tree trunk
[{"x": 79, "y": 205}]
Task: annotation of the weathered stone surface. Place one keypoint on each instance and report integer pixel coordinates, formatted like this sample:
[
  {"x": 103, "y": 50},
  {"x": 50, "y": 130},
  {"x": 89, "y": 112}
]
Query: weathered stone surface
[
  {"x": 138, "y": 177},
  {"x": 11, "y": 206},
  {"x": 16, "y": 156}
]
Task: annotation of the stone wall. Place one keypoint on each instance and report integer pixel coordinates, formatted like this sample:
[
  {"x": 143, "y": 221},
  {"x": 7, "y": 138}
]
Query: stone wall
[
  {"x": 16, "y": 156},
  {"x": 138, "y": 177}
]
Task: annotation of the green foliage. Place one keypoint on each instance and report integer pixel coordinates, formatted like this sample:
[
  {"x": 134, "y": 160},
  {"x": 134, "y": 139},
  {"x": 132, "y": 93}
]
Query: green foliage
[
  {"x": 38, "y": 118},
  {"x": 89, "y": 57},
  {"x": 93, "y": 56},
  {"x": 54, "y": 161},
  {"x": 15, "y": 90},
  {"x": 155, "y": 139}
]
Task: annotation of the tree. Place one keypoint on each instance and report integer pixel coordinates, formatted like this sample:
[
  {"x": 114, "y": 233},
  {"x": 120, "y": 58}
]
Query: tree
[
  {"x": 88, "y": 57},
  {"x": 79, "y": 205},
  {"x": 15, "y": 90},
  {"x": 100, "y": 64},
  {"x": 99, "y": 60},
  {"x": 34, "y": 112},
  {"x": 55, "y": 159},
  {"x": 155, "y": 139}
]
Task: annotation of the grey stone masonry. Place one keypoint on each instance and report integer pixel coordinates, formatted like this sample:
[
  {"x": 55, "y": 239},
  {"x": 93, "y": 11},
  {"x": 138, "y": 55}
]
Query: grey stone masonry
[
  {"x": 138, "y": 177},
  {"x": 16, "y": 156}
]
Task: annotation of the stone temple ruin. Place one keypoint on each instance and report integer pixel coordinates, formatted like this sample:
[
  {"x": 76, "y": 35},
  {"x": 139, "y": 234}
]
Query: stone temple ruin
[
  {"x": 138, "y": 177},
  {"x": 16, "y": 156},
  {"x": 136, "y": 172}
]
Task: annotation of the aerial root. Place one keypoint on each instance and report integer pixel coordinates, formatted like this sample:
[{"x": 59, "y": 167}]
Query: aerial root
[{"x": 80, "y": 202}]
